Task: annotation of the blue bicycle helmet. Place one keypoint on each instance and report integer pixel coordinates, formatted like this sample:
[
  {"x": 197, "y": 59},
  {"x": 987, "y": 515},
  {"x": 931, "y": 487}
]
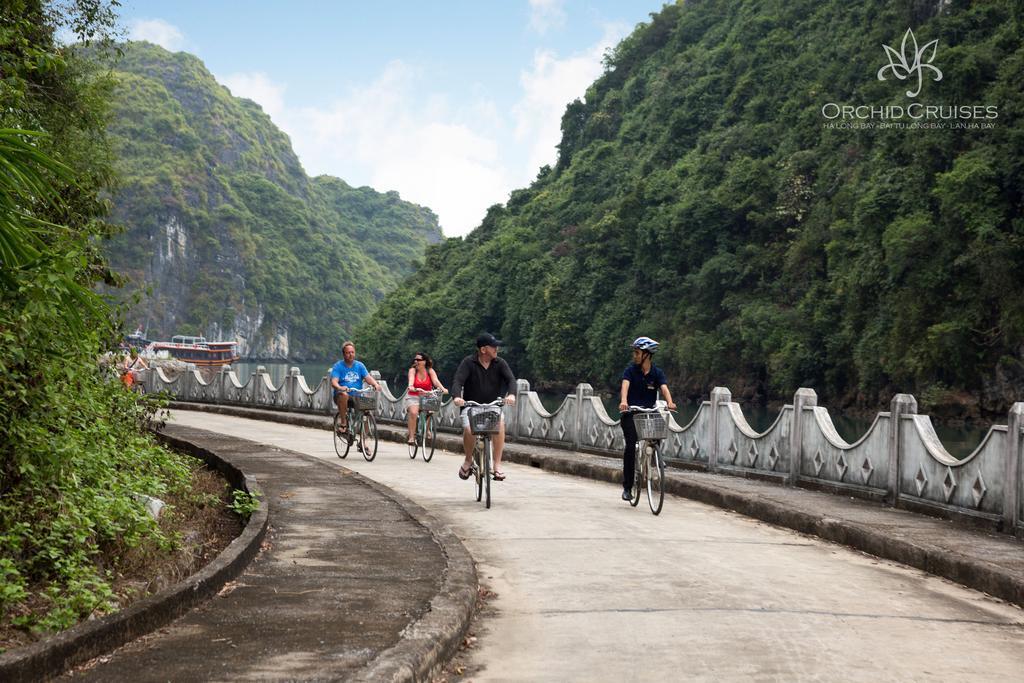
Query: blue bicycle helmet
[{"x": 645, "y": 344}]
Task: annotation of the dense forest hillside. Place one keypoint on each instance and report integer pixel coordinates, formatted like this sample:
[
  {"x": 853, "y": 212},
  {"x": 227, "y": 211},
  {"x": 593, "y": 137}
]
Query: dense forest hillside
[
  {"x": 709, "y": 193},
  {"x": 222, "y": 222}
]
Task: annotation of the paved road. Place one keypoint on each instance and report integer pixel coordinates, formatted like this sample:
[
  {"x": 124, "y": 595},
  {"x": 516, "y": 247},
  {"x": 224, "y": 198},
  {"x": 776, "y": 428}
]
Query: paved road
[{"x": 591, "y": 589}]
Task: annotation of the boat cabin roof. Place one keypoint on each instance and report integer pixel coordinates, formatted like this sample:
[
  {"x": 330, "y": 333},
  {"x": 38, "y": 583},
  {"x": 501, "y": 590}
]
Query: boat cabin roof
[{"x": 183, "y": 339}]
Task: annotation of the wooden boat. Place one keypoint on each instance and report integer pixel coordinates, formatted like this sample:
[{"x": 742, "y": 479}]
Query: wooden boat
[{"x": 195, "y": 350}]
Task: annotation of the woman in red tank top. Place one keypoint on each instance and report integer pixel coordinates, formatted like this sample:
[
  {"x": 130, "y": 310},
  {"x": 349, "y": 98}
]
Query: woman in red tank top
[{"x": 422, "y": 378}]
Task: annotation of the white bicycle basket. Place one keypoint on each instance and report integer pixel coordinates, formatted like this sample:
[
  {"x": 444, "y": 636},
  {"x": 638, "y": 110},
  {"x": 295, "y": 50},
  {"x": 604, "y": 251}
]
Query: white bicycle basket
[
  {"x": 484, "y": 420},
  {"x": 650, "y": 425}
]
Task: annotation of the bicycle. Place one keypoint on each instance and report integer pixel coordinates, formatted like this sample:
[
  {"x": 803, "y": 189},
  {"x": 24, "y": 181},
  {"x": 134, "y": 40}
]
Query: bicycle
[
  {"x": 483, "y": 422},
  {"x": 651, "y": 428},
  {"x": 362, "y": 405},
  {"x": 426, "y": 430}
]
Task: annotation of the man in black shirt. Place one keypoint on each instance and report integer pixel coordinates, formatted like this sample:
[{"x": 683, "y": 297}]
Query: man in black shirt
[{"x": 483, "y": 377}]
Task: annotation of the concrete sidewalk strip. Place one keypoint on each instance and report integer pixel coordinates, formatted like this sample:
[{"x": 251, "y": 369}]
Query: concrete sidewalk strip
[
  {"x": 988, "y": 562},
  {"x": 354, "y": 581}
]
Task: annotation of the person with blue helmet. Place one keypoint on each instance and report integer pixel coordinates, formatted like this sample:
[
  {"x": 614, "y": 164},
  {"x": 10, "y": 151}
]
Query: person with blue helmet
[{"x": 641, "y": 382}]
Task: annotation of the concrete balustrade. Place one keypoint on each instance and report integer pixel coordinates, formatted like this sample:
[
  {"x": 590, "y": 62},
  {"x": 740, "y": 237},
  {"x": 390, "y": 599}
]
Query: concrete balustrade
[{"x": 899, "y": 459}]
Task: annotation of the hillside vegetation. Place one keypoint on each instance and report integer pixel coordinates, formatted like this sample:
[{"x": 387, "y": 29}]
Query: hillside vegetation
[
  {"x": 222, "y": 221},
  {"x": 74, "y": 456},
  {"x": 699, "y": 198}
]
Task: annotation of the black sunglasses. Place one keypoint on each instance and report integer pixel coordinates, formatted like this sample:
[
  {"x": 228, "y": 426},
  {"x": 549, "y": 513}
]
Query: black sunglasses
[{"x": 418, "y": 359}]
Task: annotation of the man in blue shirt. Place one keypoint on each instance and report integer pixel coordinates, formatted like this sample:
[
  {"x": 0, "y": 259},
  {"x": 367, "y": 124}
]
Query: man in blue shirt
[
  {"x": 641, "y": 382},
  {"x": 348, "y": 374}
]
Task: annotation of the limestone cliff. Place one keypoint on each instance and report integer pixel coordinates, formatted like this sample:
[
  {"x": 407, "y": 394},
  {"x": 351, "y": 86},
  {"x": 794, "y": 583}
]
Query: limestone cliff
[{"x": 226, "y": 236}]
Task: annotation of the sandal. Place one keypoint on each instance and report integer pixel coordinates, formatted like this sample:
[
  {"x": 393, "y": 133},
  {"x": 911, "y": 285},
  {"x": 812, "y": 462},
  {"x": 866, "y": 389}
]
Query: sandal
[
  {"x": 499, "y": 475},
  {"x": 464, "y": 473},
  {"x": 411, "y": 442}
]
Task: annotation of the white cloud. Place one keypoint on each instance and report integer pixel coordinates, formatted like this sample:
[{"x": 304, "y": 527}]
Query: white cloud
[
  {"x": 390, "y": 136},
  {"x": 157, "y": 31},
  {"x": 546, "y": 15},
  {"x": 549, "y": 86},
  {"x": 258, "y": 87}
]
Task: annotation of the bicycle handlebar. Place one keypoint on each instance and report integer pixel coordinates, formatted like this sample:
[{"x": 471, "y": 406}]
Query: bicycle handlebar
[
  {"x": 642, "y": 409},
  {"x": 496, "y": 403}
]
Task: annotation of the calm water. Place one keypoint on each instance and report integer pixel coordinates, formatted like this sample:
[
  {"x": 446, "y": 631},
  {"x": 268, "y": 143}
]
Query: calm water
[{"x": 959, "y": 441}]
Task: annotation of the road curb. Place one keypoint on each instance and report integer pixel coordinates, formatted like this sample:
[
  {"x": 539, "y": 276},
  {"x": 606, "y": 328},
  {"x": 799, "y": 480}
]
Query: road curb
[
  {"x": 51, "y": 657},
  {"x": 880, "y": 541},
  {"x": 429, "y": 642}
]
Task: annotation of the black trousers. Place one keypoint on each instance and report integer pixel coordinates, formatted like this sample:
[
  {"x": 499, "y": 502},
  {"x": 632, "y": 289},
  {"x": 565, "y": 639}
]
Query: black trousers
[{"x": 629, "y": 455}]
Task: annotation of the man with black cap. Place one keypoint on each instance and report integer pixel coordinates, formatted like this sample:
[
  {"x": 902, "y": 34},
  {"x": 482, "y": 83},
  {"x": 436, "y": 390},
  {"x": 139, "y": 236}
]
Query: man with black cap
[{"x": 483, "y": 377}]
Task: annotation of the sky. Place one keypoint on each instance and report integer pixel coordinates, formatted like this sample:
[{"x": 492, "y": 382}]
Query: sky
[{"x": 451, "y": 103}]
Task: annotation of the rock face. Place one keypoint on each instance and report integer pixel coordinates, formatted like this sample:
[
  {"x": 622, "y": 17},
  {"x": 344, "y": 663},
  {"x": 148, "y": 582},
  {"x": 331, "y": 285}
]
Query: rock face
[{"x": 226, "y": 236}]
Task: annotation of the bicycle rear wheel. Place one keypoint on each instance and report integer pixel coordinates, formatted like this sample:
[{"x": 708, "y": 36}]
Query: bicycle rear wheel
[
  {"x": 416, "y": 437},
  {"x": 655, "y": 480},
  {"x": 488, "y": 466},
  {"x": 368, "y": 436},
  {"x": 341, "y": 442},
  {"x": 429, "y": 438},
  {"x": 478, "y": 468},
  {"x": 638, "y": 474}
]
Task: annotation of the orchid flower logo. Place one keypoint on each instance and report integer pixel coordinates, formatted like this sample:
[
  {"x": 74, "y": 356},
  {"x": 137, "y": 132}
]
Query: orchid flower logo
[{"x": 903, "y": 68}]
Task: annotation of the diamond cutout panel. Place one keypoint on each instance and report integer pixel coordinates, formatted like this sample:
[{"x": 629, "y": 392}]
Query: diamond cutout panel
[
  {"x": 694, "y": 448},
  {"x": 752, "y": 454},
  {"x": 773, "y": 457},
  {"x": 561, "y": 431},
  {"x": 948, "y": 483},
  {"x": 978, "y": 490},
  {"x": 841, "y": 466},
  {"x": 733, "y": 451},
  {"x": 819, "y": 462},
  {"x": 866, "y": 468},
  {"x": 921, "y": 480}
]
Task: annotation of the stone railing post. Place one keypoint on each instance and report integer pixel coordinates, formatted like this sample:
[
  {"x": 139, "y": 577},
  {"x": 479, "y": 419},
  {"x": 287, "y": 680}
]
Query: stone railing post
[
  {"x": 223, "y": 380},
  {"x": 291, "y": 388},
  {"x": 522, "y": 388},
  {"x": 1014, "y": 474},
  {"x": 720, "y": 396},
  {"x": 259, "y": 387},
  {"x": 803, "y": 398},
  {"x": 901, "y": 404},
  {"x": 188, "y": 387},
  {"x": 583, "y": 391}
]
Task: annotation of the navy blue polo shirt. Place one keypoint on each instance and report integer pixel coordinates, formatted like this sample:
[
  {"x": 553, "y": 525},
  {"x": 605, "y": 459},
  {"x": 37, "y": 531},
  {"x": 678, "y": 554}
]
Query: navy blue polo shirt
[{"x": 643, "y": 389}]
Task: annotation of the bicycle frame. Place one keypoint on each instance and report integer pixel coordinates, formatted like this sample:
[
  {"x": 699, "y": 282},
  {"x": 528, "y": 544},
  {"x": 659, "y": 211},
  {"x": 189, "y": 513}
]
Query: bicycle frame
[
  {"x": 483, "y": 455},
  {"x": 648, "y": 453},
  {"x": 424, "y": 429},
  {"x": 367, "y": 423}
]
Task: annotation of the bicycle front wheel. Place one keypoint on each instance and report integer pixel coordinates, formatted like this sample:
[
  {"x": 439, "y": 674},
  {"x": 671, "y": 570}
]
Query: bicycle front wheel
[
  {"x": 368, "y": 437},
  {"x": 655, "y": 480},
  {"x": 488, "y": 467},
  {"x": 341, "y": 442},
  {"x": 478, "y": 468},
  {"x": 429, "y": 438}
]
